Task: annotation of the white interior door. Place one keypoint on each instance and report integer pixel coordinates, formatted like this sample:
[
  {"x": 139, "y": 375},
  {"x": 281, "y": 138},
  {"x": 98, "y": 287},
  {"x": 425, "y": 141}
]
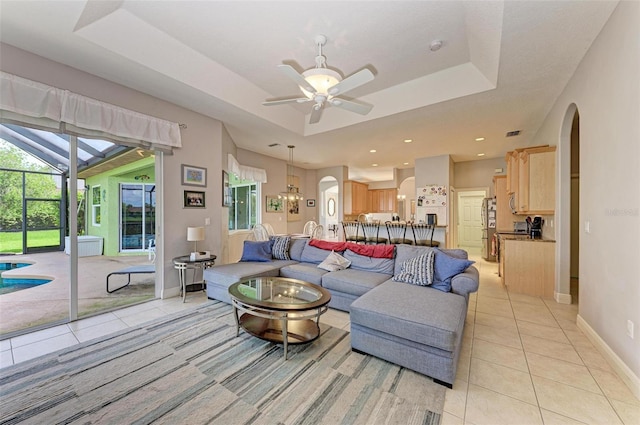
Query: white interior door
[{"x": 470, "y": 221}]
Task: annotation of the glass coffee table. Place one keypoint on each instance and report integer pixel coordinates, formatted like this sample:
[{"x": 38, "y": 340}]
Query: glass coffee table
[{"x": 279, "y": 309}]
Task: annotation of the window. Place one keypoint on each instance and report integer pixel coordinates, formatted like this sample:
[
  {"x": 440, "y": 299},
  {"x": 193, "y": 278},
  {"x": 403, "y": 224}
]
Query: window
[
  {"x": 243, "y": 212},
  {"x": 137, "y": 215},
  {"x": 95, "y": 205}
]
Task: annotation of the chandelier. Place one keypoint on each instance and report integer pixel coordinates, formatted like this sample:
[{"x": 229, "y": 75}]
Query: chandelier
[{"x": 293, "y": 192}]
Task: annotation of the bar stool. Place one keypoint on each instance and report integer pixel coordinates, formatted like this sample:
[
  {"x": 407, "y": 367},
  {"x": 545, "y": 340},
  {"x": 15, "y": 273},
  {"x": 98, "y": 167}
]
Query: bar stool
[
  {"x": 397, "y": 233},
  {"x": 423, "y": 234},
  {"x": 372, "y": 233},
  {"x": 353, "y": 232}
]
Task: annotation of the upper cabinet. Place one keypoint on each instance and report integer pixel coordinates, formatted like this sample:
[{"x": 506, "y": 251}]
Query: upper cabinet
[
  {"x": 355, "y": 197},
  {"x": 504, "y": 217},
  {"x": 531, "y": 179},
  {"x": 383, "y": 200}
]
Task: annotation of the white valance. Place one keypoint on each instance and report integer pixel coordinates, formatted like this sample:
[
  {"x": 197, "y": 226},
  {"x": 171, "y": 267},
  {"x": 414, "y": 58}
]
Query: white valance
[
  {"x": 245, "y": 172},
  {"x": 42, "y": 105}
]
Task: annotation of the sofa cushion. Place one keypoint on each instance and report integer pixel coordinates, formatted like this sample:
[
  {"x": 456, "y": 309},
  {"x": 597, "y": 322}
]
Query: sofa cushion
[
  {"x": 304, "y": 271},
  {"x": 257, "y": 251},
  {"x": 412, "y": 312},
  {"x": 445, "y": 267},
  {"x": 296, "y": 245},
  {"x": 417, "y": 270},
  {"x": 353, "y": 281},
  {"x": 405, "y": 252},
  {"x": 311, "y": 254},
  {"x": 334, "y": 262},
  {"x": 370, "y": 264},
  {"x": 280, "y": 248}
]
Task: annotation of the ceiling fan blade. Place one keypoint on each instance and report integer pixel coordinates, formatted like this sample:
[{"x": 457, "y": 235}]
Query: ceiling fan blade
[
  {"x": 285, "y": 101},
  {"x": 358, "y": 108},
  {"x": 351, "y": 82},
  {"x": 316, "y": 112},
  {"x": 297, "y": 77}
]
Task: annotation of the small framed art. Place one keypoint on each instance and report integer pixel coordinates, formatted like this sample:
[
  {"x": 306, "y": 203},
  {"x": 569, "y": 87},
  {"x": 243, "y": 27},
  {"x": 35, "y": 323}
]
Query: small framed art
[
  {"x": 311, "y": 202},
  {"x": 274, "y": 204},
  {"x": 193, "y": 199},
  {"x": 194, "y": 176}
]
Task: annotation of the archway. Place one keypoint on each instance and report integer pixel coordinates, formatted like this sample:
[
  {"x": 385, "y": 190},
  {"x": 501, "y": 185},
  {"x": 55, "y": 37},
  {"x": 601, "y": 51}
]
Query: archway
[
  {"x": 328, "y": 216},
  {"x": 407, "y": 199},
  {"x": 567, "y": 205}
]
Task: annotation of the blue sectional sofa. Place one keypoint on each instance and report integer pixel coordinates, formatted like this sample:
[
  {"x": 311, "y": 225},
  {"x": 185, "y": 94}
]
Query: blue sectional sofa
[{"x": 413, "y": 326}]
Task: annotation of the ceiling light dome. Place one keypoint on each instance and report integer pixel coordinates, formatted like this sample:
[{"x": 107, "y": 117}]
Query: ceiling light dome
[{"x": 322, "y": 79}]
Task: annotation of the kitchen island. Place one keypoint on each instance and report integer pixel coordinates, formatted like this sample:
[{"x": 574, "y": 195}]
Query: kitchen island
[{"x": 527, "y": 266}]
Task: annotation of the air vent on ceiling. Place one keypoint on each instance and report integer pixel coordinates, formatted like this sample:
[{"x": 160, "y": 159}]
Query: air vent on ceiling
[
  {"x": 273, "y": 145},
  {"x": 513, "y": 133}
]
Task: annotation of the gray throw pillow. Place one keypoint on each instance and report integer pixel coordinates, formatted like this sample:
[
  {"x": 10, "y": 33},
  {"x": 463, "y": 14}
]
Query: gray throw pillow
[{"x": 417, "y": 270}]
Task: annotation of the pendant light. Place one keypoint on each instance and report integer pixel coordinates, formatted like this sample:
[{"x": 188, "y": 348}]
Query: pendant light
[{"x": 292, "y": 193}]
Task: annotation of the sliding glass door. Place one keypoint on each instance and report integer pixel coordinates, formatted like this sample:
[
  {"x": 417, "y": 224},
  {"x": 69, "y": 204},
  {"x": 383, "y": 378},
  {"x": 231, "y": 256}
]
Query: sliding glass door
[{"x": 137, "y": 216}]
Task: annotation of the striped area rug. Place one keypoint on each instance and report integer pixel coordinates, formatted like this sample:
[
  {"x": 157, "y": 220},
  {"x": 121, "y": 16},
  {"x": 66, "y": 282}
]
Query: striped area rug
[{"x": 190, "y": 368}]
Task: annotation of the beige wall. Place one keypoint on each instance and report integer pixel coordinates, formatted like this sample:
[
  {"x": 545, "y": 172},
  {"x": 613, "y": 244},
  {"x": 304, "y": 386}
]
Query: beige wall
[
  {"x": 474, "y": 174},
  {"x": 606, "y": 90},
  {"x": 201, "y": 147}
]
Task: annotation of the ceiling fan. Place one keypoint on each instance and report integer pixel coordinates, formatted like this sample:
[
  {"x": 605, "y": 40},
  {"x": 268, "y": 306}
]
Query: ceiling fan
[{"x": 322, "y": 85}]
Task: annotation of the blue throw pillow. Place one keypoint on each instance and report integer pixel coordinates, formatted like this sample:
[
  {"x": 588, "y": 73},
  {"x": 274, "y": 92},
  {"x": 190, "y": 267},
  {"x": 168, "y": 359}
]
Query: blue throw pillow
[
  {"x": 445, "y": 267},
  {"x": 257, "y": 251}
]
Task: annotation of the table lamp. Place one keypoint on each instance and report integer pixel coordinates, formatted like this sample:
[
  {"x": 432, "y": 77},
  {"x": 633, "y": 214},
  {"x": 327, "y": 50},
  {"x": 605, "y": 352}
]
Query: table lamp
[{"x": 195, "y": 234}]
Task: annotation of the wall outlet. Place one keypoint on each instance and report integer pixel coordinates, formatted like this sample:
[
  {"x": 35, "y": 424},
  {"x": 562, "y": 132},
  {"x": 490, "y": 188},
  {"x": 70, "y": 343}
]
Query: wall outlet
[
  {"x": 551, "y": 223},
  {"x": 630, "y": 327},
  {"x": 207, "y": 221},
  {"x": 587, "y": 226}
]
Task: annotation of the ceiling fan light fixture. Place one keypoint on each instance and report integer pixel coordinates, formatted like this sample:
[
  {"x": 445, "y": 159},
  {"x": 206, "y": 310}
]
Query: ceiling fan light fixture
[{"x": 322, "y": 79}]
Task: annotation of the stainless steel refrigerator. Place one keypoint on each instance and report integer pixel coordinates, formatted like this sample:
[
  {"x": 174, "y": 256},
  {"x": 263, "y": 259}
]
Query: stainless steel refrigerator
[{"x": 488, "y": 227}]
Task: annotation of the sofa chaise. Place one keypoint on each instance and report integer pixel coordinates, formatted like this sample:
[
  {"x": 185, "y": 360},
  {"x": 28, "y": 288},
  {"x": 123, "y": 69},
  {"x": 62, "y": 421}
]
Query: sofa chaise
[{"x": 411, "y": 325}]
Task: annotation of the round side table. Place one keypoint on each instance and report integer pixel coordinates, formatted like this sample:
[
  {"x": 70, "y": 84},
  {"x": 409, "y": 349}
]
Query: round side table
[{"x": 184, "y": 263}]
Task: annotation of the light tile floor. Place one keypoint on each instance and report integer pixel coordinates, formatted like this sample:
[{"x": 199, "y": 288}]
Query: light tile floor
[{"x": 523, "y": 360}]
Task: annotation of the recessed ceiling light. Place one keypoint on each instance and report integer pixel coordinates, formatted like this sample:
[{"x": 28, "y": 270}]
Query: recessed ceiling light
[
  {"x": 405, "y": 163},
  {"x": 479, "y": 139},
  {"x": 374, "y": 165},
  {"x": 408, "y": 140},
  {"x": 373, "y": 151},
  {"x": 480, "y": 154}
]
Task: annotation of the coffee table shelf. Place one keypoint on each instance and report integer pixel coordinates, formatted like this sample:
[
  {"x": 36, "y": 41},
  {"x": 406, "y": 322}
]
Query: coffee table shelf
[{"x": 280, "y": 310}]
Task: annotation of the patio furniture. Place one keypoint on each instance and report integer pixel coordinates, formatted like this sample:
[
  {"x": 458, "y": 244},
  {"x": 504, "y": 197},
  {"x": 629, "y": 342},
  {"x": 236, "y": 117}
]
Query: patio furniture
[{"x": 143, "y": 269}]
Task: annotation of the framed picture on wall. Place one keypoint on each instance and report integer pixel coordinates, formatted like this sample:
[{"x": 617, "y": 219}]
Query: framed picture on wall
[
  {"x": 226, "y": 190},
  {"x": 274, "y": 204},
  {"x": 311, "y": 202},
  {"x": 193, "y": 199},
  {"x": 194, "y": 176}
]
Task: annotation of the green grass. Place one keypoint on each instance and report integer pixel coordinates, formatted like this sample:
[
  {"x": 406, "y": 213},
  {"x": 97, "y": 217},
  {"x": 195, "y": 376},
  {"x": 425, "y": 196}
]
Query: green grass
[{"x": 12, "y": 242}]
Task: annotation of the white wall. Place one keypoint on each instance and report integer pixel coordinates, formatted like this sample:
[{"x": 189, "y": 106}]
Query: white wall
[{"x": 606, "y": 90}]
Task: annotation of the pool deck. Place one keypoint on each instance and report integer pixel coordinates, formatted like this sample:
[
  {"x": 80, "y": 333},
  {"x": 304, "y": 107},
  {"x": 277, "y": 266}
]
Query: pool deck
[{"x": 50, "y": 302}]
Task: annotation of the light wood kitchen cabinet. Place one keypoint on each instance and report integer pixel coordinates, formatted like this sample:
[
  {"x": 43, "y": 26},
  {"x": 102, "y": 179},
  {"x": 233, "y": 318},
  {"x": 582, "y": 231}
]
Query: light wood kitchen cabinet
[
  {"x": 504, "y": 216},
  {"x": 383, "y": 200},
  {"x": 536, "y": 181},
  {"x": 511, "y": 158},
  {"x": 355, "y": 197},
  {"x": 528, "y": 267}
]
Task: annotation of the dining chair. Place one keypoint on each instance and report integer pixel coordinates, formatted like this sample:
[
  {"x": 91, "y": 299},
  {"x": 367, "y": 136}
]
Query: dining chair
[
  {"x": 371, "y": 232},
  {"x": 318, "y": 232},
  {"x": 353, "y": 231},
  {"x": 269, "y": 228},
  {"x": 260, "y": 233},
  {"x": 397, "y": 233},
  {"x": 423, "y": 234},
  {"x": 308, "y": 227}
]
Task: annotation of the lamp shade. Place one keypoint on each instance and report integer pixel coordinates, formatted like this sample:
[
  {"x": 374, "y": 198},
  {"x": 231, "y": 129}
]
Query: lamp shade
[{"x": 195, "y": 234}]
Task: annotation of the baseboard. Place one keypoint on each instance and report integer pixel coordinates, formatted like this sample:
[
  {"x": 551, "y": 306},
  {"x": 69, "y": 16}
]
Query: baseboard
[
  {"x": 621, "y": 369},
  {"x": 562, "y": 298},
  {"x": 170, "y": 292}
]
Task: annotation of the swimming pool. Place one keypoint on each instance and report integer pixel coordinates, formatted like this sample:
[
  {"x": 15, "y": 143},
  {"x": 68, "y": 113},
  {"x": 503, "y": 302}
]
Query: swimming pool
[{"x": 11, "y": 284}]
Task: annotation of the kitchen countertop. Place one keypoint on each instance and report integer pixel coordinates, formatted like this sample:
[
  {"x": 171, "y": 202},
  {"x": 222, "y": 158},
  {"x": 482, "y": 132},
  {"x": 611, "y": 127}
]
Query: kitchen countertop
[{"x": 521, "y": 237}]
